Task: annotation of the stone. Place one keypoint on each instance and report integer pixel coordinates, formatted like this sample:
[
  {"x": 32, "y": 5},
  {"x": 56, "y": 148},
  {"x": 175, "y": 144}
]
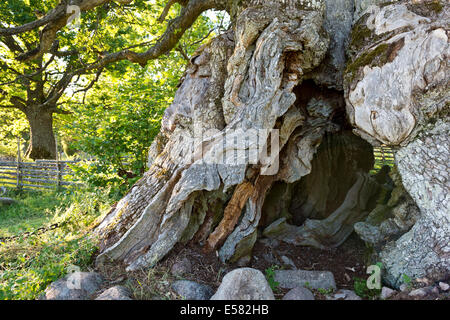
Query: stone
[
  {"x": 76, "y": 286},
  {"x": 444, "y": 286},
  {"x": 299, "y": 293},
  {"x": 344, "y": 294},
  {"x": 190, "y": 290},
  {"x": 404, "y": 287},
  {"x": 244, "y": 284},
  {"x": 435, "y": 290},
  {"x": 418, "y": 293},
  {"x": 115, "y": 293},
  {"x": 289, "y": 279},
  {"x": 181, "y": 267},
  {"x": 269, "y": 242},
  {"x": 386, "y": 293},
  {"x": 288, "y": 262}
]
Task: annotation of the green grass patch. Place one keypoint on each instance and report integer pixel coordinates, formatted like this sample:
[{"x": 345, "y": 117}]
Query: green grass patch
[
  {"x": 33, "y": 210},
  {"x": 28, "y": 264},
  {"x": 270, "y": 276}
]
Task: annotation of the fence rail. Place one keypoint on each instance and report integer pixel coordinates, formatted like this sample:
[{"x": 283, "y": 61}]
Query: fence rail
[
  {"x": 383, "y": 156},
  {"x": 41, "y": 174}
]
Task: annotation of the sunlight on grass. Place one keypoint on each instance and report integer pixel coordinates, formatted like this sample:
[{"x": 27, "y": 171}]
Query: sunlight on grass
[
  {"x": 29, "y": 264},
  {"x": 33, "y": 210}
]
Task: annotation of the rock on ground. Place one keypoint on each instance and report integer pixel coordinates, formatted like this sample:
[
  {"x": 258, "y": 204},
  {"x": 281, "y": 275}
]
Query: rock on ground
[
  {"x": 444, "y": 286},
  {"x": 418, "y": 293},
  {"x": 345, "y": 295},
  {"x": 244, "y": 284},
  {"x": 181, "y": 267},
  {"x": 115, "y": 293},
  {"x": 76, "y": 286},
  {"x": 287, "y": 262},
  {"x": 191, "y": 290},
  {"x": 290, "y": 279},
  {"x": 299, "y": 293},
  {"x": 386, "y": 293}
]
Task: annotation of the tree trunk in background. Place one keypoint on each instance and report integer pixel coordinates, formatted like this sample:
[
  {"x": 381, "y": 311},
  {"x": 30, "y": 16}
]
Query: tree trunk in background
[
  {"x": 42, "y": 140},
  {"x": 276, "y": 69}
]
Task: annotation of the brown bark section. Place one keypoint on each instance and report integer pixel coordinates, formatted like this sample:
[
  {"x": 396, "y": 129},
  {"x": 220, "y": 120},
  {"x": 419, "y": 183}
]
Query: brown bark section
[{"x": 230, "y": 217}]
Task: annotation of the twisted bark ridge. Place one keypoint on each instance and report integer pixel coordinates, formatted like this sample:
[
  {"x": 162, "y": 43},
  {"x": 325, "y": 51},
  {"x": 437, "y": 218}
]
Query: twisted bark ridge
[
  {"x": 258, "y": 138},
  {"x": 240, "y": 81},
  {"x": 397, "y": 92}
]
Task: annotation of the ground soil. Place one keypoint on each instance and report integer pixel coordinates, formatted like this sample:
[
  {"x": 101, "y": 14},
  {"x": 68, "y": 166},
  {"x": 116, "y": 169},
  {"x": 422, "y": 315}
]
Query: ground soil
[{"x": 347, "y": 263}]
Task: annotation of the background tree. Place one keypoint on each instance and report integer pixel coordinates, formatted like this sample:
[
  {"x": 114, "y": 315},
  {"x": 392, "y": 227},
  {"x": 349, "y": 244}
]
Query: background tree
[{"x": 46, "y": 62}]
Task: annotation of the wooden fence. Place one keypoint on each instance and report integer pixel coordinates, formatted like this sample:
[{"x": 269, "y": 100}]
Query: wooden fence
[
  {"x": 41, "y": 174},
  {"x": 383, "y": 156}
]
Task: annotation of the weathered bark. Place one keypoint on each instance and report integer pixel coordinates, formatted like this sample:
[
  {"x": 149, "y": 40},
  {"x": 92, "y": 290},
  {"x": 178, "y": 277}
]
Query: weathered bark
[
  {"x": 256, "y": 77},
  {"x": 42, "y": 140},
  {"x": 397, "y": 91},
  {"x": 242, "y": 84}
]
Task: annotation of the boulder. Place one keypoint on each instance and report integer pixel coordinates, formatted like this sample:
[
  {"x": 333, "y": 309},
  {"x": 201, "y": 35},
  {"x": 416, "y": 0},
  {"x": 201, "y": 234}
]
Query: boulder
[
  {"x": 115, "y": 293},
  {"x": 191, "y": 290},
  {"x": 444, "y": 286},
  {"x": 76, "y": 286},
  {"x": 244, "y": 284},
  {"x": 421, "y": 292}
]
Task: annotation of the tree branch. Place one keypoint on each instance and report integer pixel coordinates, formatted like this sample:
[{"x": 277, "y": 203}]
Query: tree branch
[
  {"x": 57, "y": 19},
  {"x": 169, "y": 5},
  {"x": 167, "y": 42}
]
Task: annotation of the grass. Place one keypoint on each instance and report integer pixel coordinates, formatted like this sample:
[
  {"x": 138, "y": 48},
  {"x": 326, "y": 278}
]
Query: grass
[
  {"x": 28, "y": 264},
  {"x": 33, "y": 210}
]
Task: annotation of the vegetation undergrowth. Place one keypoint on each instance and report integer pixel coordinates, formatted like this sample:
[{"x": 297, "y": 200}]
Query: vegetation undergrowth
[
  {"x": 29, "y": 263},
  {"x": 270, "y": 276}
]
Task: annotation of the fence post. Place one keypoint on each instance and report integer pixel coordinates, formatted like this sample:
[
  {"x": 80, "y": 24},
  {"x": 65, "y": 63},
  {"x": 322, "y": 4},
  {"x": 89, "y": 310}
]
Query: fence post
[
  {"x": 58, "y": 165},
  {"x": 19, "y": 184}
]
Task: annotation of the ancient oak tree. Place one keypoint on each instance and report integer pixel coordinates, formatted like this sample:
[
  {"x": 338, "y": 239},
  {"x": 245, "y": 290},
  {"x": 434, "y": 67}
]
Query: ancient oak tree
[{"x": 328, "y": 79}]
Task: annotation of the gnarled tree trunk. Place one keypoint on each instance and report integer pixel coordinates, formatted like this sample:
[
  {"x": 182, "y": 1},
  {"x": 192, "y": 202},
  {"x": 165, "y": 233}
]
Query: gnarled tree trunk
[{"x": 275, "y": 79}]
